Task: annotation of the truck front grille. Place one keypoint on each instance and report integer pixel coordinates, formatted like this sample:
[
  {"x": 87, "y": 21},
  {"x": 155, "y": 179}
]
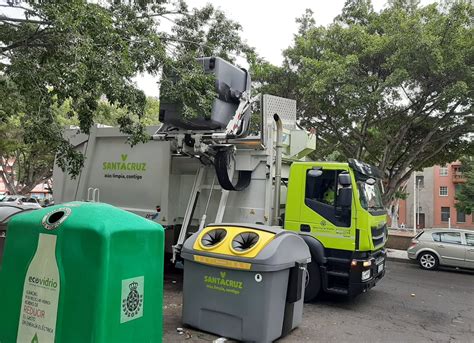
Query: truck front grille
[{"x": 379, "y": 234}]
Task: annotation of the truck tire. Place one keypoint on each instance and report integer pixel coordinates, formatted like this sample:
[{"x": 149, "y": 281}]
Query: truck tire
[
  {"x": 428, "y": 260},
  {"x": 313, "y": 281}
]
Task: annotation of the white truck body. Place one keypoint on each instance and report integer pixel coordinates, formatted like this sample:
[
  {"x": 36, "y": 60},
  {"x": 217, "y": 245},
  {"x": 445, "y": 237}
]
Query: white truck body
[{"x": 164, "y": 173}]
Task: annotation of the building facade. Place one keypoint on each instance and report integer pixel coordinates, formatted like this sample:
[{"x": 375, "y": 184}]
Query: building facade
[{"x": 435, "y": 190}]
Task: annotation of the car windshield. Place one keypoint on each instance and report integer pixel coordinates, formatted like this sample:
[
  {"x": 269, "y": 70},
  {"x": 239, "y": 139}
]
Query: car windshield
[{"x": 370, "y": 195}]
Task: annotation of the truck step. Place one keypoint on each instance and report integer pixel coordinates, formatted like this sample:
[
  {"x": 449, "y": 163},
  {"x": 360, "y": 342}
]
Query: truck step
[
  {"x": 338, "y": 290},
  {"x": 338, "y": 260},
  {"x": 338, "y": 273}
]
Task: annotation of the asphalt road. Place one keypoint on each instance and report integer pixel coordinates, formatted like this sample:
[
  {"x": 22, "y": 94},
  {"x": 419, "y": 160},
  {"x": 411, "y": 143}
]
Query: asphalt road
[{"x": 408, "y": 305}]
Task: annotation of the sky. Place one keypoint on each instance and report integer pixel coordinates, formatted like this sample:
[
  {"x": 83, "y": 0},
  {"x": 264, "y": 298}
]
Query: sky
[{"x": 269, "y": 26}]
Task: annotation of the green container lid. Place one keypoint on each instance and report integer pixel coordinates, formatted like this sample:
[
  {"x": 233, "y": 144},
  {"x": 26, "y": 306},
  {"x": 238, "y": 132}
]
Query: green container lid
[{"x": 82, "y": 272}]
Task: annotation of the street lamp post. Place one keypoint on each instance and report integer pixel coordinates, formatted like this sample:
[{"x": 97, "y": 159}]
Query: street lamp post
[
  {"x": 414, "y": 203},
  {"x": 418, "y": 205}
]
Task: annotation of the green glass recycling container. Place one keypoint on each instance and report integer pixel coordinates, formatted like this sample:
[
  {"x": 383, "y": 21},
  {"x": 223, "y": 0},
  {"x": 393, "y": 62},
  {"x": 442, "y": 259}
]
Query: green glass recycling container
[{"x": 82, "y": 272}]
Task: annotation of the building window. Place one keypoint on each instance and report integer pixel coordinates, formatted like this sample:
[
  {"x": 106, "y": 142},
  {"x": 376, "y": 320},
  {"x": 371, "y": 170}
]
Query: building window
[
  {"x": 445, "y": 214},
  {"x": 443, "y": 191},
  {"x": 420, "y": 181},
  {"x": 460, "y": 216},
  {"x": 457, "y": 189},
  {"x": 443, "y": 171}
]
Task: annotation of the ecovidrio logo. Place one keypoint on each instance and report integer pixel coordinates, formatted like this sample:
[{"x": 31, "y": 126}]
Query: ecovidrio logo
[
  {"x": 124, "y": 165},
  {"x": 44, "y": 281}
]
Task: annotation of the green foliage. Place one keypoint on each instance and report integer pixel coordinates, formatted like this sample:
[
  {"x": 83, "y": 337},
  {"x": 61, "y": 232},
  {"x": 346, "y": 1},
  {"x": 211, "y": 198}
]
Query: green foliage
[
  {"x": 110, "y": 114},
  {"x": 27, "y": 160},
  {"x": 152, "y": 109},
  {"x": 203, "y": 32},
  {"x": 73, "y": 62},
  {"x": 78, "y": 52},
  {"x": 465, "y": 196},
  {"x": 306, "y": 22},
  {"x": 32, "y": 160},
  {"x": 12, "y": 102},
  {"x": 270, "y": 79},
  {"x": 186, "y": 84},
  {"x": 207, "y": 32},
  {"x": 392, "y": 88}
]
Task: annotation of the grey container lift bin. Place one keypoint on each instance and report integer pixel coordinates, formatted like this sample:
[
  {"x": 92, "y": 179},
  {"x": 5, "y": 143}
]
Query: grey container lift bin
[
  {"x": 230, "y": 82},
  {"x": 253, "y": 299}
]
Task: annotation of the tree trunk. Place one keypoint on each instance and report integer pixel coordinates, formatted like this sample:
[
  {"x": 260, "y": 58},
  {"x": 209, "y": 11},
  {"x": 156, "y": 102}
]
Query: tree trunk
[{"x": 394, "y": 213}]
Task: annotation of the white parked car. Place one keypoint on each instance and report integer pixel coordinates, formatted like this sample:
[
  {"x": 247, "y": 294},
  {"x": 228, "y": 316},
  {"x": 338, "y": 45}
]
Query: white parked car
[{"x": 20, "y": 201}]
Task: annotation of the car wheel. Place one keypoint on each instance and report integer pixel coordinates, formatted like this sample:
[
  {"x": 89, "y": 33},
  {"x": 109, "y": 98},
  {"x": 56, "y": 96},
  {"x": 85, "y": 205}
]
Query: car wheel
[
  {"x": 312, "y": 282},
  {"x": 428, "y": 260}
]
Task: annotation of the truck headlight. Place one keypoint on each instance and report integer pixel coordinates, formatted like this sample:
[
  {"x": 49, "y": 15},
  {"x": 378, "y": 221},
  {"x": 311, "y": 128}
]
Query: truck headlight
[{"x": 366, "y": 275}]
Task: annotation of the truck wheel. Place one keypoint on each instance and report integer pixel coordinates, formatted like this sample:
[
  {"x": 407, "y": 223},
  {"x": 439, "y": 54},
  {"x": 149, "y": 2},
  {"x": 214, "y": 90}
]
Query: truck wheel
[
  {"x": 313, "y": 282},
  {"x": 428, "y": 260}
]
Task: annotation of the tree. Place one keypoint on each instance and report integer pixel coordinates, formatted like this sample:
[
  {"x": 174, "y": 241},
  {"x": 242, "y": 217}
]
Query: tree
[
  {"x": 79, "y": 53},
  {"x": 465, "y": 196},
  {"x": 25, "y": 164},
  {"x": 392, "y": 88},
  {"x": 203, "y": 32},
  {"x": 110, "y": 114},
  {"x": 393, "y": 210}
]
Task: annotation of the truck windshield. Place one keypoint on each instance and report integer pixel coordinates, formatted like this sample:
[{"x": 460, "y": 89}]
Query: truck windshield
[{"x": 370, "y": 196}]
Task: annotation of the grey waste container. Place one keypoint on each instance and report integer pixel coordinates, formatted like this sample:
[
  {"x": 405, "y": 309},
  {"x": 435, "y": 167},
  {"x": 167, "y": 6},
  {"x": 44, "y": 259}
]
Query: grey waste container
[
  {"x": 244, "y": 282},
  {"x": 6, "y": 213},
  {"x": 231, "y": 82}
]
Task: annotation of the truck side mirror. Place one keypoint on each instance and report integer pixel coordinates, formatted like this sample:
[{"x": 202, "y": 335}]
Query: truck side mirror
[
  {"x": 344, "y": 179},
  {"x": 344, "y": 198},
  {"x": 344, "y": 204}
]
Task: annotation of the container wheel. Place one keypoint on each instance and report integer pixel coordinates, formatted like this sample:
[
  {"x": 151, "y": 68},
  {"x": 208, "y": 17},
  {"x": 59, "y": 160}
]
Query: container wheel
[{"x": 313, "y": 282}]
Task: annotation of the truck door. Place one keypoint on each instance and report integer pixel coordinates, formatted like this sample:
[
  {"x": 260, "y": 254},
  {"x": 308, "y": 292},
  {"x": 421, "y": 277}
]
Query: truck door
[{"x": 327, "y": 211}]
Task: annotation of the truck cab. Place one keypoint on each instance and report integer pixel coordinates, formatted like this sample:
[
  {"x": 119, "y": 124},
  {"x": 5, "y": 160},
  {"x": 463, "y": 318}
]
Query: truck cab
[{"x": 337, "y": 208}]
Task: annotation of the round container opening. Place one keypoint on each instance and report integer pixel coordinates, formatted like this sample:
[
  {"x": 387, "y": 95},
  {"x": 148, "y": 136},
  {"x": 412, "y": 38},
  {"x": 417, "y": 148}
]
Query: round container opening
[
  {"x": 244, "y": 241},
  {"x": 55, "y": 217},
  {"x": 213, "y": 237}
]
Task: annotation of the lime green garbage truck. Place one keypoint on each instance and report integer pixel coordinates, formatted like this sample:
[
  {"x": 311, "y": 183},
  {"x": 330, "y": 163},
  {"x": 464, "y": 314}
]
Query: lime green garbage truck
[{"x": 246, "y": 162}]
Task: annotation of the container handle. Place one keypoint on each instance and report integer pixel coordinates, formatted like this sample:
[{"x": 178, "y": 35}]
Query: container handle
[
  {"x": 96, "y": 195},
  {"x": 89, "y": 190}
]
